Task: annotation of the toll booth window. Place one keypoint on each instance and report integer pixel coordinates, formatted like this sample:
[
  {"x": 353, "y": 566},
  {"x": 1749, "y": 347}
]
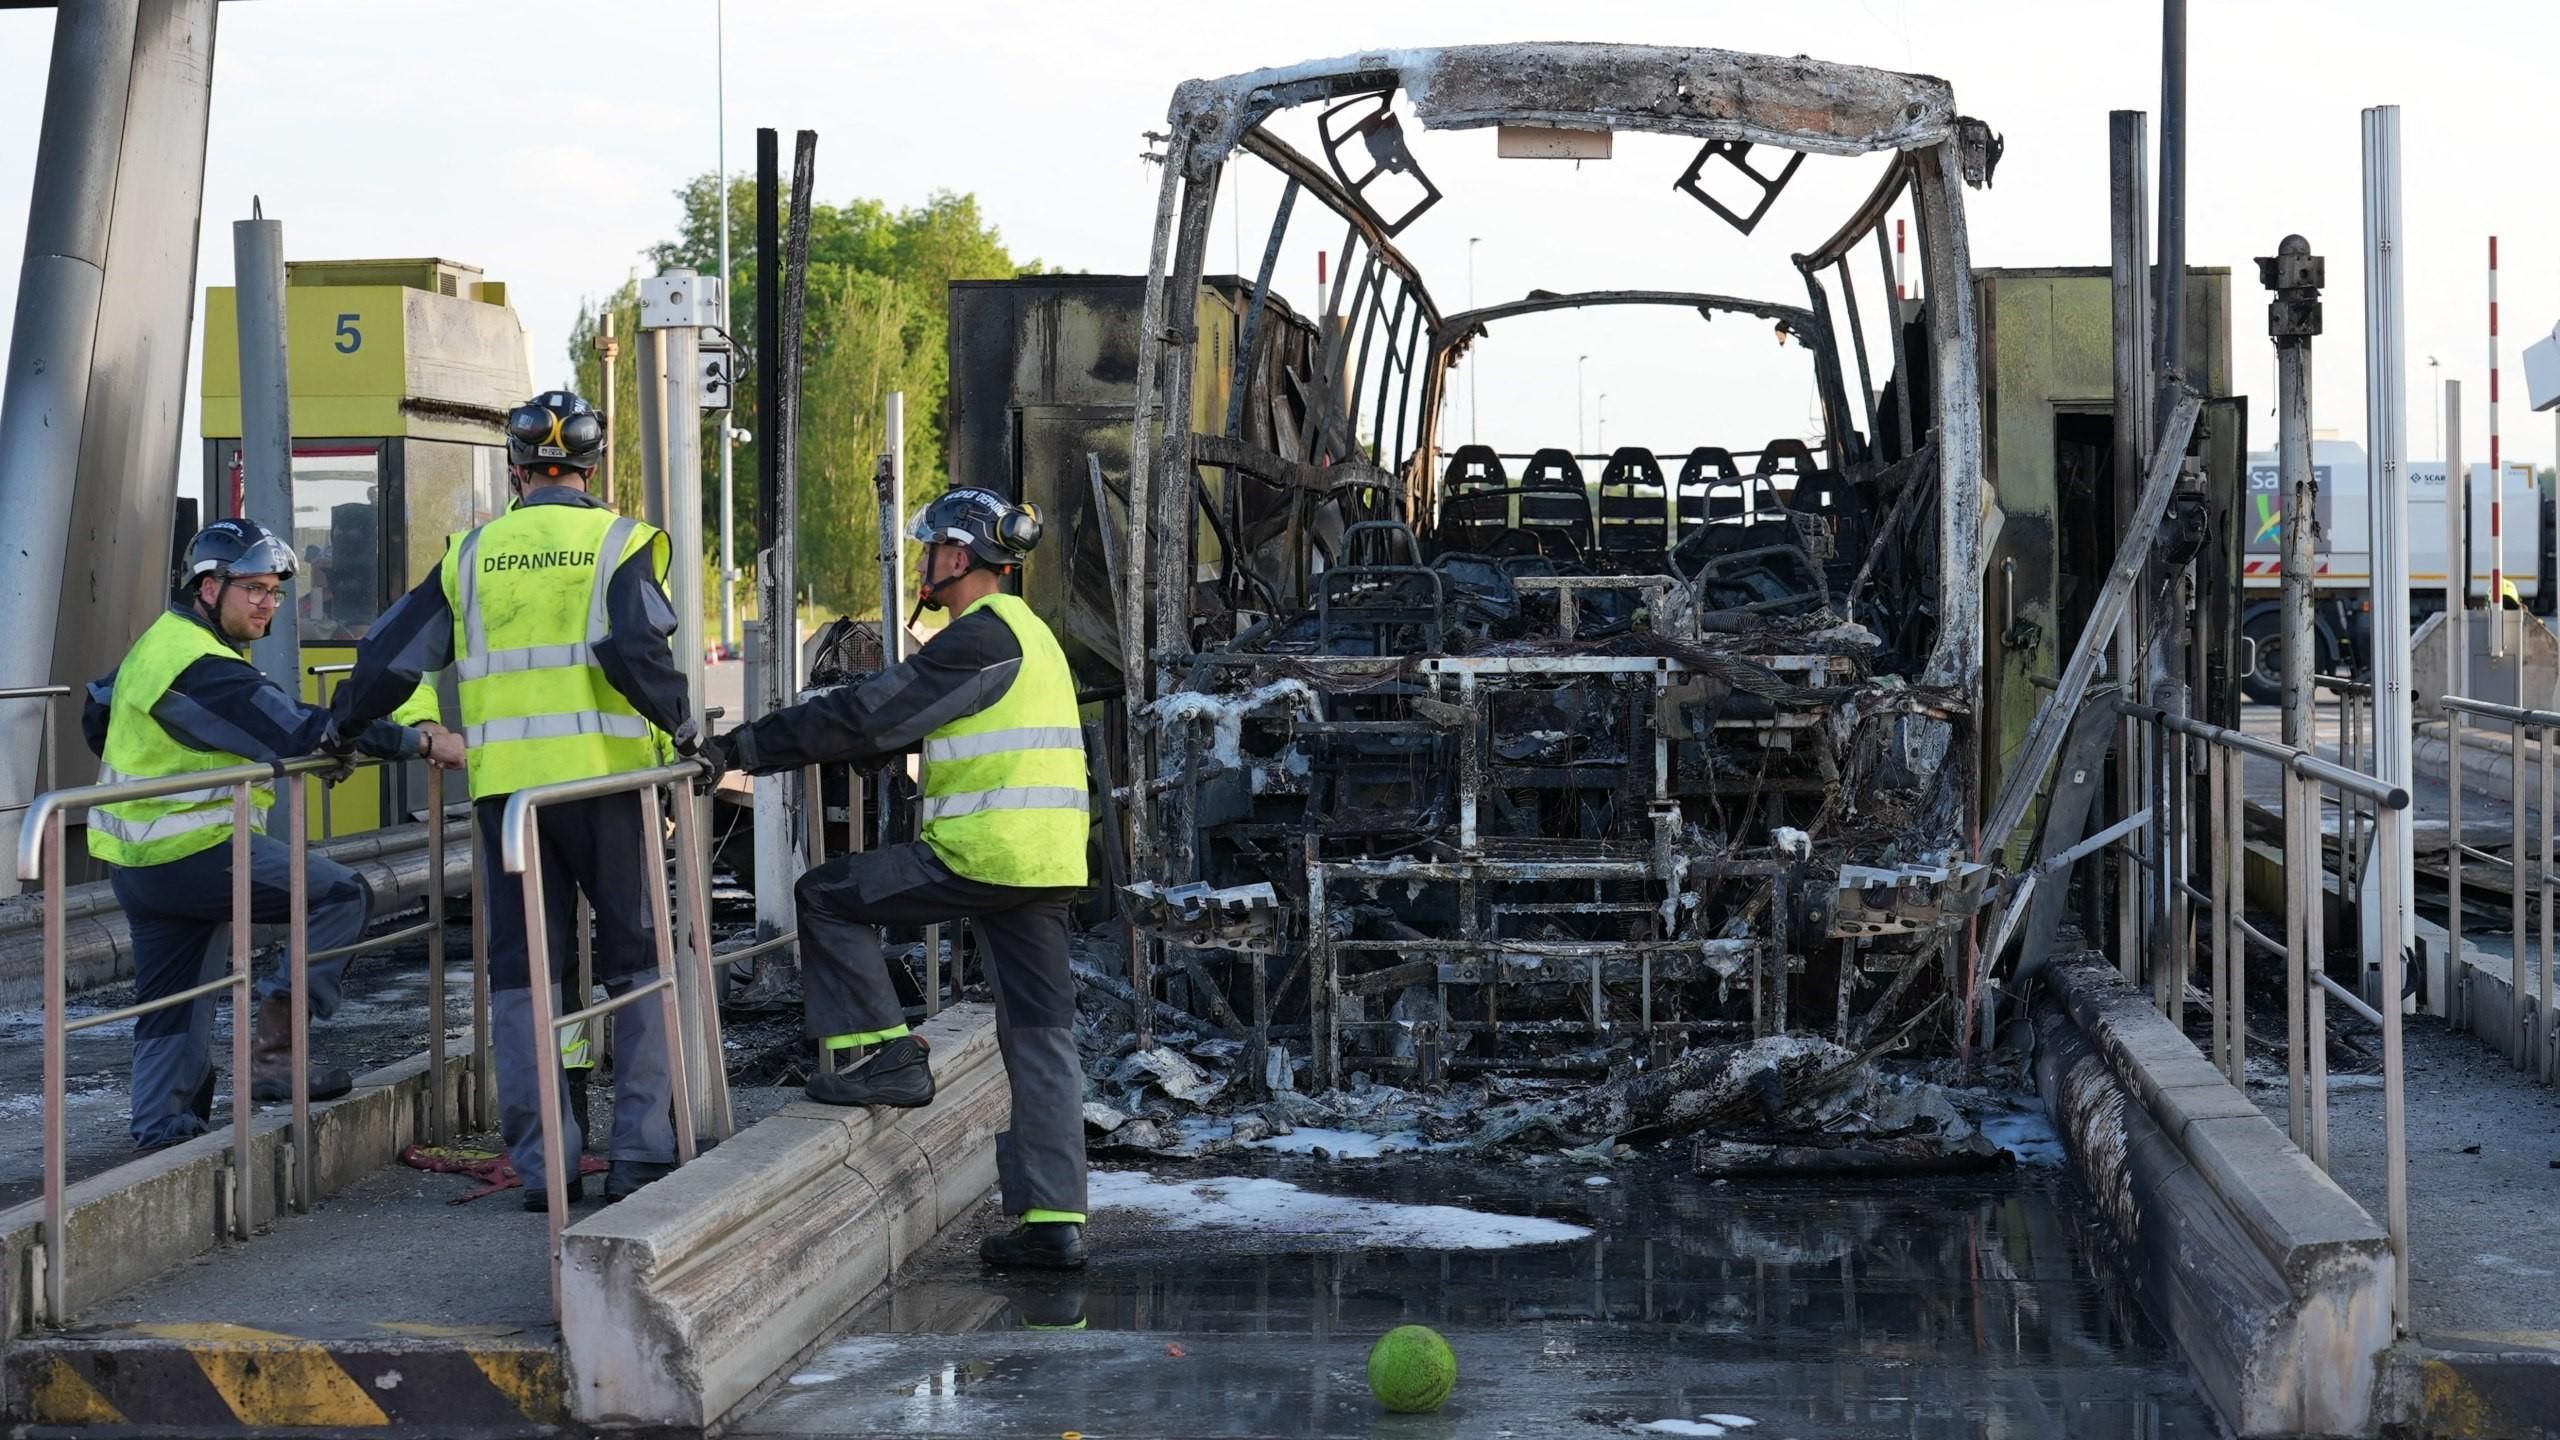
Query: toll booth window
[{"x": 337, "y": 528}]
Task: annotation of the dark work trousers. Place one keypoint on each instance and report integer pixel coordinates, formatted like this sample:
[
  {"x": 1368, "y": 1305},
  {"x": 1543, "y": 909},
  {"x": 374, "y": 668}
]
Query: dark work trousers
[
  {"x": 181, "y": 918},
  {"x": 592, "y": 847},
  {"x": 1040, "y": 1163}
]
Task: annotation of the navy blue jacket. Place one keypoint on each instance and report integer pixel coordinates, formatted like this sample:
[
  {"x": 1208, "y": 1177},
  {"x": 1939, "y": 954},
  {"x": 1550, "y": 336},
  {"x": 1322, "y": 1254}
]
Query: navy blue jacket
[
  {"x": 225, "y": 703},
  {"x": 415, "y": 638}
]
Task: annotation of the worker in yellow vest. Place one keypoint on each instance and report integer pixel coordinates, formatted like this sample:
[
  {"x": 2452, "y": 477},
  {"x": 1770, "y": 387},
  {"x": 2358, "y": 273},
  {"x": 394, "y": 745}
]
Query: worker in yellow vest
[
  {"x": 186, "y": 699},
  {"x": 993, "y": 705},
  {"x": 556, "y": 620}
]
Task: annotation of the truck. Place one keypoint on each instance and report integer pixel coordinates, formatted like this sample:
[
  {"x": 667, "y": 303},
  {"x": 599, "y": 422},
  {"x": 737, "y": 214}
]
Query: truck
[{"x": 2342, "y": 556}]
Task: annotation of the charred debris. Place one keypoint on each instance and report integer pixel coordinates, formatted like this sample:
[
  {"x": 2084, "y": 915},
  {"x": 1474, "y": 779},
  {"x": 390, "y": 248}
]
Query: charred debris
[{"x": 1478, "y": 796}]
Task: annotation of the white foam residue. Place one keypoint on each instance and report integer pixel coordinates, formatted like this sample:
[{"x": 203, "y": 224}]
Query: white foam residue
[
  {"x": 815, "y": 1377},
  {"x": 2028, "y": 1134},
  {"x": 1341, "y": 1144},
  {"x": 1709, "y": 1425},
  {"x": 1225, "y": 713},
  {"x": 1278, "y": 1208}
]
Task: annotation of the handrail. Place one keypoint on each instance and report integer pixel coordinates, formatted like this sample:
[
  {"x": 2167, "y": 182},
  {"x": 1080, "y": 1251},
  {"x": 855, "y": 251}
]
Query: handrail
[
  {"x": 44, "y": 808},
  {"x": 41, "y": 857},
  {"x": 2513, "y": 714},
  {"x": 521, "y": 856},
  {"x": 2301, "y": 762},
  {"x": 44, "y": 725},
  {"x": 2341, "y": 684},
  {"x": 2530, "y": 1026},
  {"x": 2221, "y": 841}
]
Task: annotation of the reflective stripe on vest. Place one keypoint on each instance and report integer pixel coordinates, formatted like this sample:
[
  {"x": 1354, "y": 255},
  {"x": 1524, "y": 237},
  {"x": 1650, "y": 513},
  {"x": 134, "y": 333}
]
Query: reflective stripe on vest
[
  {"x": 539, "y": 712},
  {"x": 990, "y": 742},
  {"x": 1005, "y": 801},
  {"x": 1011, "y": 797},
  {"x": 138, "y": 833}
]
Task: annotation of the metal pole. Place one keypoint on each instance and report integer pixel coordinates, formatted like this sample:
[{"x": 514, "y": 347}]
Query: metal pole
[
  {"x": 1474, "y": 406},
  {"x": 2497, "y": 491},
  {"x": 2386, "y": 398},
  {"x": 2217, "y": 801},
  {"x": 2236, "y": 886},
  {"x": 56, "y": 1044},
  {"x": 893, "y": 512},
  {"x": 608, "y": 351},
  {"x": 728, "y": 282},
  {"x": 2295, "y": 275},
  {"x": 266, "y": 420},
  {"x": 2301, "y": 859},
  {"x": 439, "y": 1095},
  {"x": 2517, "y": 1051},
  {"x": 298, "y": 985},
  {"x": 2172, "y": 317},
  {"x": 2137, "y": 752},
  {"x": 2457, "y": 570},
  {"x": 675, "y": 504}
]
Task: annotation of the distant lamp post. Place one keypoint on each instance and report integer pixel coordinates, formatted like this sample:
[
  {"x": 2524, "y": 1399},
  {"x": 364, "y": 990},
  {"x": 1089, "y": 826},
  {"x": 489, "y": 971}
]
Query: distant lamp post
[
  {"x": 1604, "y": 422},
  {"x": 2437, "y": 389},
  {"x": 1581, "y": 437},
  {"x": 1473, "y": 360}
]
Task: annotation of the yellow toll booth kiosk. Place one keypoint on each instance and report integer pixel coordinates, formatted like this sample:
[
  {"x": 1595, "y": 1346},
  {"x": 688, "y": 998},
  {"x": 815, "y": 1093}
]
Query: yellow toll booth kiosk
[{"x": 401, "y": 373}]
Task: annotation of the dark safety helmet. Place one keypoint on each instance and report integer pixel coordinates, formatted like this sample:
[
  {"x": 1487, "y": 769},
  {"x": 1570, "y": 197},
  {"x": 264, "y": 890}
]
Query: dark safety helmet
[
  {"x": 555, "y": 431},
  {"x": 992, "y": 528},
  {"x": 237, "y": 547}
]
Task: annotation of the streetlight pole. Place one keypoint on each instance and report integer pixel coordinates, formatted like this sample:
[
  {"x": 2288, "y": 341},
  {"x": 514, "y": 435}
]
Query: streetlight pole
[
  {"x": 2438, "y": 389},
  {"x": 1604, "y": 422},
  {"x": 1473, "y": 361},
  {"x": 728, "y": 431},
  {"x": 1581, "y": 440}
]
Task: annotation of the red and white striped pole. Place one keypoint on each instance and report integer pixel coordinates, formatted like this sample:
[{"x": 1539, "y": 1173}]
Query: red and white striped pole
[
  {"x": 1900, "y": 291},
  {"x": 2497, "y": 482}
]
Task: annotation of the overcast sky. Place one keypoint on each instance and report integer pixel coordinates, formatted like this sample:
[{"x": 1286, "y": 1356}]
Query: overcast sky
[{"x": 542, "y": 145}]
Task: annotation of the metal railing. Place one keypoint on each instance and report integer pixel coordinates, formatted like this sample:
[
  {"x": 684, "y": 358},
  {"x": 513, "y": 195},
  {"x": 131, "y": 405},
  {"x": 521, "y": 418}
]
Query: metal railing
[
  {"x": 2356, "y": 750},
  {"x": 2303, "y": 951},
  {"x": 44, "y": 735},
  {"x": 522, "y": 855},
  {"x": 2529, "y": 1039},
  {"x": 41, "y": 845}
]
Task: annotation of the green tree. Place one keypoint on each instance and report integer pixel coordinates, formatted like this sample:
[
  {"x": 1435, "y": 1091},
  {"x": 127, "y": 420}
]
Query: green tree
[{"x": 876, "y": 322}]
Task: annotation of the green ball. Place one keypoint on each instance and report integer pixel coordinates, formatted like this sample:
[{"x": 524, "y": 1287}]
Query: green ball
[{"x": 1412, "y": 1370}]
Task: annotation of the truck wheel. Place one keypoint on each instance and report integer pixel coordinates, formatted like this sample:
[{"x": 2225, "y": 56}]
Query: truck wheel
[{"x": 2265, "y": 681}]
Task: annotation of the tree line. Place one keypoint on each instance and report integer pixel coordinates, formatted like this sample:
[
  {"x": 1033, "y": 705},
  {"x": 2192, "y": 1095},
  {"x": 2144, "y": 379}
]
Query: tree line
[{"x": 876, "y": 322}]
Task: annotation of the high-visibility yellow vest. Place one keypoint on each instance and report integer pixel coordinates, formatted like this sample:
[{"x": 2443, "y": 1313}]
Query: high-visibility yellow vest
[
  {"x": 1004, "y": 790},
  {"x": 528, "y": 597},
  {"x": 154, "y": 832}
]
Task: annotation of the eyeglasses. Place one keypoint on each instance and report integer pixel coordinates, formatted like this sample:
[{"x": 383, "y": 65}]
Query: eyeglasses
[{"x": 262, "y": 596}]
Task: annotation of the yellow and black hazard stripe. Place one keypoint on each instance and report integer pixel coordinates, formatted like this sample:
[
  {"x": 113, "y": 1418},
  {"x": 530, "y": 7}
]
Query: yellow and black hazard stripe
[{"x": 203, "y": 1378}]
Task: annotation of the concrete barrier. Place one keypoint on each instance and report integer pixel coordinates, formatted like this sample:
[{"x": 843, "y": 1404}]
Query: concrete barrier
[
  {"x": 133, "y": 1223},
  {"x": 686, "y": 1299},
  {"x": 2275, "y": 1285}
]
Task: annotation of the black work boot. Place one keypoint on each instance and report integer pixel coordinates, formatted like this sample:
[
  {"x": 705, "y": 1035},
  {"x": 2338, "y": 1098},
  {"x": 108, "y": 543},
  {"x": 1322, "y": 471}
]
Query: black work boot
[
  {"x": 271, "y": 1058},
  {"x": 627, "y": 1176},
  {"x": 895, "y": 1075},
  {"x": 537, "y": 1198},
  {"x": 1046, "y": 1245}
]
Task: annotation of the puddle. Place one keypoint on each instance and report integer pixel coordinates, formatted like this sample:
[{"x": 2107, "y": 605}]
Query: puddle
[{"x": 1214, "y": 1306}]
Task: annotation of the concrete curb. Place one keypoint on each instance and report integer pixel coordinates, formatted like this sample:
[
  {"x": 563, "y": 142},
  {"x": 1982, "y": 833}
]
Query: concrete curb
[
  {"x": 2275, "y": 1285},
  {"x": 130, "y": 1224},
  {"x": 687, "y": 1298}
]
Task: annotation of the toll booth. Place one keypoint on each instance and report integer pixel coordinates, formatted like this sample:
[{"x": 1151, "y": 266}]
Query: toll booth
[{"x": 401, "y": 372}]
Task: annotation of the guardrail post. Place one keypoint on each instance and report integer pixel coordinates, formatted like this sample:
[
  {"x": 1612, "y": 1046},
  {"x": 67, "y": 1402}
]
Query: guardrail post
[
  {"x": 2542, "y": 898},
  {"x": 2458, "y": 1002},
  {"x": 2218, "y": 818},
  {"x": 484, "y": 1079},
  {"x": 693, "y": 869},
  {"x": 2300, "y": 895},
  {"x": 298, "y": 972},
  {"x": 2516, "y": 855},
  {"x": 439, "y": 1130},
  {"x": 2236, "y": 885},
  {"x": 56, "y": 1044},
  {"x": 243, "y": 1008}
]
